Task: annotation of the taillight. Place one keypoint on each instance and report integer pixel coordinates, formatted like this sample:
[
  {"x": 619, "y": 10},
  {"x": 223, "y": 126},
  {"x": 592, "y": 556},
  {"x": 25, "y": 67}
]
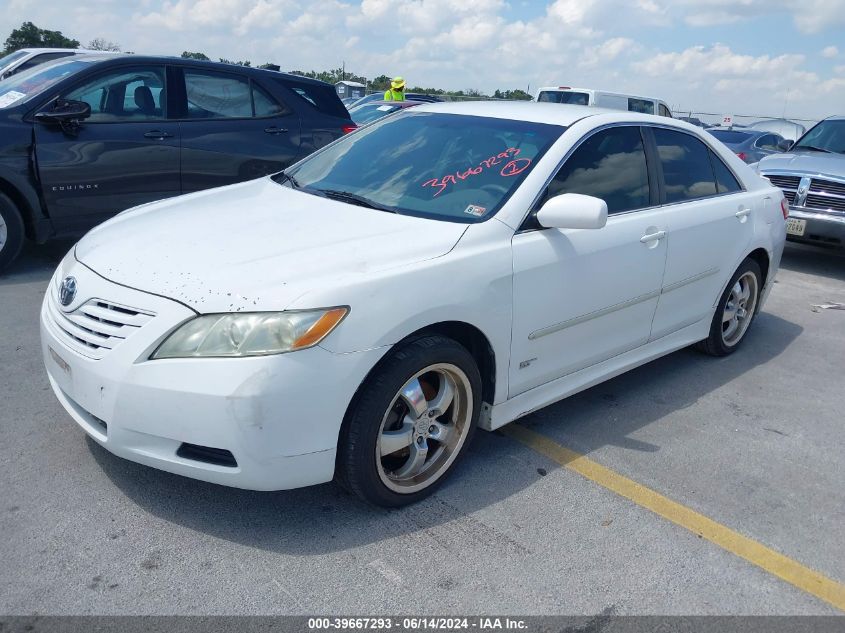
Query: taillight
[
  {"x": 784, "y": 207},
  {"x": 742, "y": 155},
  {"x": 347, "y": 129}
]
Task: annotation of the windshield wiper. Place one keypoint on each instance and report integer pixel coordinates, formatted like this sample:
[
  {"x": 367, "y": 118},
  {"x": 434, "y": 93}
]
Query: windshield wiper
[
  {"x": 813, "y": 148},
  {"x": 283, "y": 176},
  {"x": 354, "y": 198}
]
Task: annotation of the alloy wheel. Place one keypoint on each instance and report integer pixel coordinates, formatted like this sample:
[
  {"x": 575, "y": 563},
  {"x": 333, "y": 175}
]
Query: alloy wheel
[
  {"x": 424, "y": 428},
  {"x": 739, "y": 309}
]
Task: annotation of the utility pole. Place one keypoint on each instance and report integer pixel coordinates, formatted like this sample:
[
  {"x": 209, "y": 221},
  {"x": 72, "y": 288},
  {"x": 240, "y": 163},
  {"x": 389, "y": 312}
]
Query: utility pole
[{"x": 343, "y": 71}]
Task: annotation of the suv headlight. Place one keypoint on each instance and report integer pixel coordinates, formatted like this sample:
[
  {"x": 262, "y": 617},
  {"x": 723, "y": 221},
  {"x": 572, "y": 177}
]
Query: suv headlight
[{"x": 250, "y": 333}]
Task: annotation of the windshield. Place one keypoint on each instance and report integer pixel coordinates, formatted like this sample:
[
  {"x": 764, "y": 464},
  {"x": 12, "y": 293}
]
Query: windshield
[
  {"x": 370, "y": 112},
  {"x": 442, "y": 166},
  {"x": 19, "y": 88},
  {"x": 828, "y": 135},
  {"x": 561, "y": 96},
  {"x": 730, "y": 136},
  {"x": 10, "y": 58}
]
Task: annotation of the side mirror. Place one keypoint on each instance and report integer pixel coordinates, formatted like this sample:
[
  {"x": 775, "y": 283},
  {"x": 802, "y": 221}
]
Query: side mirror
[
  {"x": 573, "y": 211},
  {"x": 65, "y": 111},
  {"x": 785, "y": 145}
]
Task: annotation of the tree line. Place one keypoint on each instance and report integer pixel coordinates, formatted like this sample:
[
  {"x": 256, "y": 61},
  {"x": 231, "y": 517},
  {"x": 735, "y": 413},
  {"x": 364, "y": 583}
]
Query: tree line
[{"x": 31, "y": 36}]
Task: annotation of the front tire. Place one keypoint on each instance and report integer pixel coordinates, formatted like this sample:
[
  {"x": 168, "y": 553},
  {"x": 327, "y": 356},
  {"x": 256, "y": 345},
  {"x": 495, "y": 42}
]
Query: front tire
[
  {"x": 735, "y": 312},
  {"x": 11, "y": 232},
  {"x": 411, "y": 421}
]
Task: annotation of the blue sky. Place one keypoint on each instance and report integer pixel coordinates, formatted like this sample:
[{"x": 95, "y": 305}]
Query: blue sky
[{"x": 722, "y": 56}]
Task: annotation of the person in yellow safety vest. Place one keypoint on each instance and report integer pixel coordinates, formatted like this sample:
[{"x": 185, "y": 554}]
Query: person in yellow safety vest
[{"x": 396, "y": 92}]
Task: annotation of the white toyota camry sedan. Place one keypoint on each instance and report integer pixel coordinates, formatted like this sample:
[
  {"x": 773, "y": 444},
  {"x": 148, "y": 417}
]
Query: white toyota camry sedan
[{"x": 358, "y": 316}]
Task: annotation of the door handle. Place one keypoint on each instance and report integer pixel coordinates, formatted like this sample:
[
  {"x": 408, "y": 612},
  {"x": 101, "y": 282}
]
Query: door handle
[
  {"x": 742, "y": 213},
  {"x": 645, "y": 239},
  {"x": 275, "y": 130},
  {"x": 158, "y": 134}
]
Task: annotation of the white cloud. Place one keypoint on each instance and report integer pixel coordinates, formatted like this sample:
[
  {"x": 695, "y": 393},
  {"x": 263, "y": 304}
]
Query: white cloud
[
  {"x": 830, "y": 52},
  {"x": 715, "y": 76}
]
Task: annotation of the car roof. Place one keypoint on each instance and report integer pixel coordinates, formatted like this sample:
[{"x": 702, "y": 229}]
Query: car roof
[
  {"x": 170, "y": 59},
  {"x": 554, "y": 113},
  {"x": 78, "y": 51}
]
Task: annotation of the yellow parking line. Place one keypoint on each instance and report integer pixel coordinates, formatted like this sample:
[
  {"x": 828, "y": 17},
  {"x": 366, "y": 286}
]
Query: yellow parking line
[{"x": 768, "y": 559}]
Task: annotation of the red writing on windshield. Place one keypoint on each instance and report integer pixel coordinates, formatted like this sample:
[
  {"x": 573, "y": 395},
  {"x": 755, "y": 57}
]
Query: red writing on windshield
[{"x": 513, "y": 167}]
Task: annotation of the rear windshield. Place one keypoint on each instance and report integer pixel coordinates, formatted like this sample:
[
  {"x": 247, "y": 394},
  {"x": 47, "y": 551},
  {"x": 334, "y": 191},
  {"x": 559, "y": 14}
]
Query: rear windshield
[
  {"x": 443, "y": 166},
  {"x": 730, "y": 136},
  {"x": 370, "y": 112},
  {"x": 18, "y": 88},
  {"x": 564, "y": 96}
]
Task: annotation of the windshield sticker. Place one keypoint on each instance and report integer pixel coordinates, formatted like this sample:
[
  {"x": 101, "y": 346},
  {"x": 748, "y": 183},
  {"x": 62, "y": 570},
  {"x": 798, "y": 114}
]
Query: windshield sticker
[
  {"x": 512, "y": 167},
  {"x": 10, "y": 97},
  {"x": 384, "y": 108},
  {"x": 475, "y": 210}
]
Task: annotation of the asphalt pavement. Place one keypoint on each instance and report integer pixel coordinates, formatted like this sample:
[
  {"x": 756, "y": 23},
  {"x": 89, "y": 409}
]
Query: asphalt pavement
[{"x": 753, "y": 441}]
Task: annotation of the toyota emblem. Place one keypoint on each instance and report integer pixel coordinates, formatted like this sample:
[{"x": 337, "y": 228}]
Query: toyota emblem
[{"x": 67, "y": 291}]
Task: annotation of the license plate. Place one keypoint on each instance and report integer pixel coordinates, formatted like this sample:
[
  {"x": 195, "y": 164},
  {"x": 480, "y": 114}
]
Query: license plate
[
  {"x": 794, "y": 226},
  {"x": 59, "y": 361}
]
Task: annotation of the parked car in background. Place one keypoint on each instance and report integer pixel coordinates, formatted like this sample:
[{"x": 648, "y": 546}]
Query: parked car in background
[
  {"x": 812, "y": 177},
  {"x": 26, "y": 58},
  {"x": 789, "y": 130},
  {"x": 602, "y": 99},
  {"x": 546, "y": 249},
  {"x": 413, "y": 96},
  {"x": 374, "y": 110},
  {"x": 750, "y": 145},
  {"x": 695, "y": 121},
  {"x": 84, "y": 138}
]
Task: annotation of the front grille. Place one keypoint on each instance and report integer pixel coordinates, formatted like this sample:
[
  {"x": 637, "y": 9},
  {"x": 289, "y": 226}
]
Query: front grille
[
  {"x": 784, "y": 182},
  {"x": 96, "y": 326},
  {"x": 826, "y": 203},
  {"x": 823, "y": 195},
  {"x": 827, "y": 186}
]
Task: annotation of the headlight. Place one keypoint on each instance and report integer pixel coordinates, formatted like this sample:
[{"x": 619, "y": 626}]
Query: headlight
[{"x": 250, "y": 333}]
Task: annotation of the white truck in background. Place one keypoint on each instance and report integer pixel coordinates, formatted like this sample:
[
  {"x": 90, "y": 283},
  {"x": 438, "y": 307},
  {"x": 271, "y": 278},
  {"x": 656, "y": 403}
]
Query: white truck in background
[{"x": 602, "y": 99}]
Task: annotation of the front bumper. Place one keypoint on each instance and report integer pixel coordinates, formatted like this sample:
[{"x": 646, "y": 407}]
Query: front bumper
[
  {"x": 279, "y": 416},
  {"x": 822, "y": 228}
]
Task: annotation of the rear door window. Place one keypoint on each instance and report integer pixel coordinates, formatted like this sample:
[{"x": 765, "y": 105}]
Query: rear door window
[
  {"x": 687, "y": 170},
  {"x": 611, "y": 165},
  {"x": 768, "y": 142},
  {"x": 213, "y": 95},
  {"x": 726, "y": 182}
]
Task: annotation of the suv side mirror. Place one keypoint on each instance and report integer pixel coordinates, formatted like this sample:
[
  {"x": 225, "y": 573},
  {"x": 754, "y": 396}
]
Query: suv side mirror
[
  {"x": 573, "y": 211},
  {"x": 65, "y": 111},
  {"x": 785, "y": 145}
]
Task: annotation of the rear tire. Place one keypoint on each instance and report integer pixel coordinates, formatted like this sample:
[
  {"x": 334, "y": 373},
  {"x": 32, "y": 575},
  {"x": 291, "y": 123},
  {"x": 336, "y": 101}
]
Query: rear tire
[
  {"x": 410, "y": 422},
  {"x": 11, "y": 232},
  {"x": 735, "y": 312}
]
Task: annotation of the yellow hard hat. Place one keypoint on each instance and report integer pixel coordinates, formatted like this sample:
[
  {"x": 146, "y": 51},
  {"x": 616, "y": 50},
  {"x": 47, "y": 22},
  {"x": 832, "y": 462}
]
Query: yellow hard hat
[{"x": 398, "y": 83}]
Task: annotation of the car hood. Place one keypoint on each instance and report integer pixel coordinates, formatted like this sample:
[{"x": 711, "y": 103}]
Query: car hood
[
  {"x": 255, "y": 246},
  {"x": 806, "y": 163}
]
